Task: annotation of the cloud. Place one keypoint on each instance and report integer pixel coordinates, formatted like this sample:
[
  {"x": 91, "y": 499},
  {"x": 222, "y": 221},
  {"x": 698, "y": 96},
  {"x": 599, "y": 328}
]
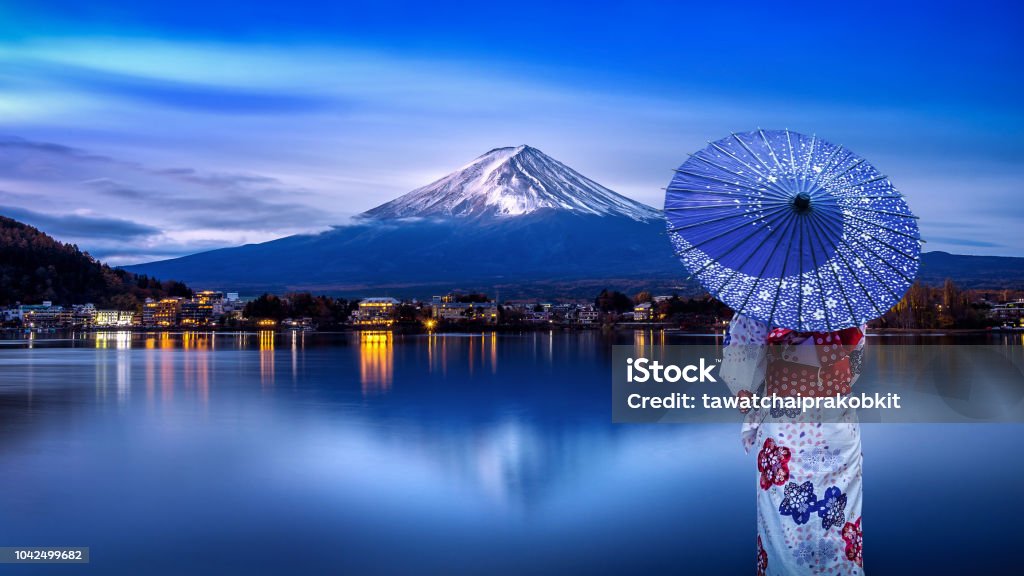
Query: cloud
[
  {"x": 237, "y": 203},
  {"x": 131, "y": 212},
  {"x": 955, "y": 241},
  {"x": 190, "y": 96},
  {"x": 80, "y": 225}
]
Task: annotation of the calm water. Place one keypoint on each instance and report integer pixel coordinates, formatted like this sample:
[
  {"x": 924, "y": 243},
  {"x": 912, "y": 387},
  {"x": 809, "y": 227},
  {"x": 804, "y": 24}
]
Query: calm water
[{"x": 372, "y": 453}]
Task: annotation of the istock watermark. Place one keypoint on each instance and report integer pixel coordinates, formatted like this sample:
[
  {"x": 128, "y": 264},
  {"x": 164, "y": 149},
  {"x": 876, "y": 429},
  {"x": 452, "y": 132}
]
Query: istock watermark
[
  {"x": 894, "y": 383},
  {"x": 644, "y": 369}
]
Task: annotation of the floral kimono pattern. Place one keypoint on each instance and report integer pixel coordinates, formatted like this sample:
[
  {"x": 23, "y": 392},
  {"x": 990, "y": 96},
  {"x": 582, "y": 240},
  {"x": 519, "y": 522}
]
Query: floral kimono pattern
[{"x": 808, "y": 472}]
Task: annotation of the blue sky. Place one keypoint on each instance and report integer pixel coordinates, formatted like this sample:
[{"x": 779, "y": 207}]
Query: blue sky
[{"x": 148, "y": 131}]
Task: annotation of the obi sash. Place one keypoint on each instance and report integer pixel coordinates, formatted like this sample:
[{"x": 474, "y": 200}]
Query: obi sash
[{"x": 810, "y": 363}]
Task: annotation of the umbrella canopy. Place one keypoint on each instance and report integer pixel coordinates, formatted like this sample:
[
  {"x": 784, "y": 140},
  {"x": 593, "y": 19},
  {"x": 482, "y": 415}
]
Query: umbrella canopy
[{"x": 792, "y": 230}]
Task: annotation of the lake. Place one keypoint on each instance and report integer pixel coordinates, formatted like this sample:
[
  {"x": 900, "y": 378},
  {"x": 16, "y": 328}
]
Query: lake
[{"x": 362, "y": 453}]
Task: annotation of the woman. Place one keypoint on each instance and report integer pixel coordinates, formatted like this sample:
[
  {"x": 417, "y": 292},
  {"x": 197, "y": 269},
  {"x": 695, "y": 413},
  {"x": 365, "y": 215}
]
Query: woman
[{"x": 808, "y": 463}]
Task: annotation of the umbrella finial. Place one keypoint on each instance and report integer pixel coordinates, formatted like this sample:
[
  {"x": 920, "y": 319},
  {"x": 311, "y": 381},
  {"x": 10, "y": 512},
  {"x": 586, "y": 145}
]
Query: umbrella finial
[{"x": 802, "y": 202}]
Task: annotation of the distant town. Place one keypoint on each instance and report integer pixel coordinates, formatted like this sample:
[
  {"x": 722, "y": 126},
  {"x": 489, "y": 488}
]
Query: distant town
[
  {"x": 210, "y": 309},
  {"x": 923, "y": 307}
]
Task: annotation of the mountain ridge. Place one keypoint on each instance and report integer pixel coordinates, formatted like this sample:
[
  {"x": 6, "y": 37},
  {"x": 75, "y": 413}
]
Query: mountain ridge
[{"x": 514, "y": 221}]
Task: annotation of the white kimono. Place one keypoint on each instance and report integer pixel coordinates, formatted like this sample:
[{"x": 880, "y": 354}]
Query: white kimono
[{"x": 809, "y": 472}]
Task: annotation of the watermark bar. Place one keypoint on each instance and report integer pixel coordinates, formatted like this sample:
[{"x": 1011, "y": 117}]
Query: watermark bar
[{"x": 895, "y": 383}]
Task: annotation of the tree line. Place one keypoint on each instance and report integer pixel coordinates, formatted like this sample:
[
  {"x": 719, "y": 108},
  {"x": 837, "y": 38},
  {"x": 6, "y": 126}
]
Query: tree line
[{"x": 35, "y": 268}]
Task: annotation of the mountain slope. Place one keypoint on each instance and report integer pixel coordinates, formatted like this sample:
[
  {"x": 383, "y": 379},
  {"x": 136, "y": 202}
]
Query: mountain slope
[
  {"x": 972, "y": 271},
  {"x": 34, "y": 267},
  {"x": 513, "y": 182},
  {"x": 513, "y": 220},
  {"x": 545, "y": 253}
]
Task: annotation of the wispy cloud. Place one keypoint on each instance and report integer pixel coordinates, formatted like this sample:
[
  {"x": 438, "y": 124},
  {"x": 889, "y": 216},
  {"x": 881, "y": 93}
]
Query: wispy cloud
[
  {"x": 130, "y": 212},
  {"x": 81, "y": 226},
  {"x": 185, "y": 95}
]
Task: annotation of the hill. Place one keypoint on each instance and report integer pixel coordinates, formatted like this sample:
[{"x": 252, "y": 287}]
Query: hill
[
  {"x": 34, "y": 267},
  {"x": 972, "y": 271}
]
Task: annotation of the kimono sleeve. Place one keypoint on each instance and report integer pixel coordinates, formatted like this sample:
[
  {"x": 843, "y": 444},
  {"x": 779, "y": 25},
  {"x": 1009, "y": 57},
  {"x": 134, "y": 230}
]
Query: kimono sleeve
[{"x": 745, "y": 354}]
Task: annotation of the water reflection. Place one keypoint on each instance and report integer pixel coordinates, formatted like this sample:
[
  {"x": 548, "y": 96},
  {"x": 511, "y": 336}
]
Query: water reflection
[
  {"x": 266, "y": 344},
  {"x": 376, "y": 362},
  {"x": 298, "y": 338},
  {"x": 120, "y": 340}
]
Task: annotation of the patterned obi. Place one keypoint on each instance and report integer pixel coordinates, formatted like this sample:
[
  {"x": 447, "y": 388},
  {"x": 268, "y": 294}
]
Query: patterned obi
[{"x": 812, "y": 363}]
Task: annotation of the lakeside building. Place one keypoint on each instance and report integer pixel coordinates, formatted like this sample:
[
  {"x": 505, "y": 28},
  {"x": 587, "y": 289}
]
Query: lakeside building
[
  {"x": 113, "y": 318},
  {"x": 1008, "y": 312},
  {"x": 83, "y": 315},
  {"x": 379, "y": 311},
  {"x": 162, "y": 313},
  {"x": 44, "y": 315},
  {"x": 446, "y": 309},
  {"x": 586, "y": 315},
  {"x": 643, "y": 312},
  {"x": 203, "y": 309}
]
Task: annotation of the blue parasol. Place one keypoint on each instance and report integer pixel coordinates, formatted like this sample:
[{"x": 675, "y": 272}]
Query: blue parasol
[{"x": 792, "y": 230}]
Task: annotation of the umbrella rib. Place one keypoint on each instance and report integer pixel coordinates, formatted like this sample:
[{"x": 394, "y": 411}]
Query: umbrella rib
[
  {"x": 763, "y": 216},
  {"x": 753, "y": 201},
  {"x": 731, "y": 194},
  {"x": 764, "y": 267},
  {"x": 853, "y": 274},
  {"x": 887, "y": 212},
  {"x": 884, "y": 261},
  {"x": 873, "y": 274},
  {"x": 848, "y": 168},
  {"x": 750, "y": 255},
  {"x": 816, "y": 226},
  {"x": 792, "y": 159},
  {"x": 821, "y": 288},
  {"x": 884, "y": 243},
  {"x": 720, "y": 218},
  {"x": 770, "y": 149},
  {"x": 709, "y": 177},
  {"x": 751, "y": 152},
  {"x": 727, "y": 171},
  {"x": 841, "y": 215},
  {"x": 825, "y": 165},
  {"x": 729, "y": 205},
  {"x": 877, "y": 225},
  {"x": 778, "y": 286},
  {"x": 862, "y": 182},
  {"x": 807, "y": 165},
  {"x": 782, "y": 169},
  {"x": 878, "y": 196},
  {"x": 800, "y": 279},
  {"x": 728, "y": 251},
  {"x": 687, "y": 226},
  {"x": 736, "y": 158}
]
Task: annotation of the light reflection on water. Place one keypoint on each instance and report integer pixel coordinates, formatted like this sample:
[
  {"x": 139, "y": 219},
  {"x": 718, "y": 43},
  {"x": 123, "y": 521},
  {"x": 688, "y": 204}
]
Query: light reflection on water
[{"x": 456, "y": 453}]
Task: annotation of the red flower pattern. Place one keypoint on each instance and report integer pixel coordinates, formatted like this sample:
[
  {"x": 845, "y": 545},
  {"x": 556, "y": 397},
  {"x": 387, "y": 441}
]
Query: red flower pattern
[
  {"x": 854, "y": 539},
  {"x": 762, "y": 559},
  {"x": 773, "y": 464}
]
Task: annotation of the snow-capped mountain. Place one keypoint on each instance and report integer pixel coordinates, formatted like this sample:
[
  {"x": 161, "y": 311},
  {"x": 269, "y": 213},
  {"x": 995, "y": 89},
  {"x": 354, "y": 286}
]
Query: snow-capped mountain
[
  {"x": 512, "y": 182},
  {"x": 514, "y": 221}
]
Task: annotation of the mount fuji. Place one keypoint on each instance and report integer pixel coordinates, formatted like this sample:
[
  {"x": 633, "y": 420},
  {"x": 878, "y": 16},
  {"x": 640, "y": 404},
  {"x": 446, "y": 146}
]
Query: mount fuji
[
  {"x": 513, "y": 221},
  {"x": 513, "y": 182}
]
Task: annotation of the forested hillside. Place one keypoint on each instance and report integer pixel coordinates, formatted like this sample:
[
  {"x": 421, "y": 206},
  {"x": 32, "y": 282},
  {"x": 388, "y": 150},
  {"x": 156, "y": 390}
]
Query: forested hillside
[{"x": 34, "y": 267}]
